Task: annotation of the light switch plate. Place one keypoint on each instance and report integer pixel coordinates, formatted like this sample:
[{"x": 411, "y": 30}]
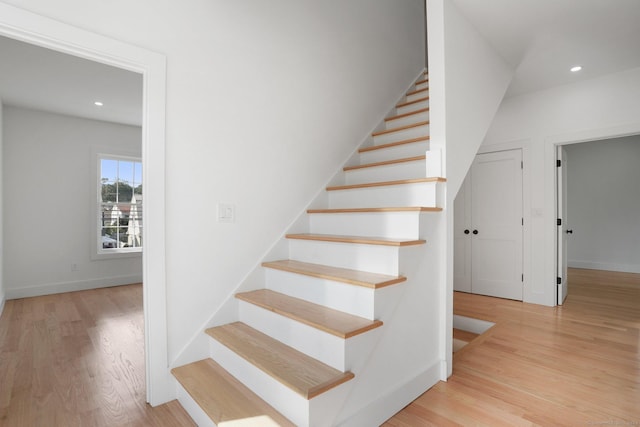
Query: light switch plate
[{"x": 226, "y": 212}]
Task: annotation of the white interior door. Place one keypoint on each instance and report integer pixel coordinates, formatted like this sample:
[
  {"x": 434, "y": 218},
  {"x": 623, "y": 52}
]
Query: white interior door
[
  {"x": 562, "y": 231},
  {"x": 462, "y": 238},
  {"x": 496, "y": 227}
]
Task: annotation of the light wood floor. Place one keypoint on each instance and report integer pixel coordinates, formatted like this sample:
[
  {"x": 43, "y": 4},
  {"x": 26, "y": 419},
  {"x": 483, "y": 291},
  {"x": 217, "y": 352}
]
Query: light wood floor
[
  {"x": 575, "y": 365},
  {"x": 77, "y": 359}
]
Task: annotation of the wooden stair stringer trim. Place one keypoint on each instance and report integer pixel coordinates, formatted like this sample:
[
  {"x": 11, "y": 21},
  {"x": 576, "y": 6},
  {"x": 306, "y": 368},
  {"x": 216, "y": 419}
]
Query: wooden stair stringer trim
[
  {"x": 340, "y": 324},
  {"x": 302, "y": 374},
  {"x": 385, "y": 183},
  {"x": 385, "y": 163},
  {"x": 393, "y": 144},
  {"x": 221, "y": 396},
  {"x": 343, "y": 275},
  {"x": 364, "y": 240}
]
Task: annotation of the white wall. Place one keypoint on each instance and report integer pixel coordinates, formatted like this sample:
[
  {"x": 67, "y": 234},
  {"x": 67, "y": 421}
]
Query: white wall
[
  {"x": 264, "y": 101},
  {"x": 603, "y": 202},
  {"x": 49, "y": 192},
  {"x": 599, "y": 108},
  {"x": 2, "y": 291}
]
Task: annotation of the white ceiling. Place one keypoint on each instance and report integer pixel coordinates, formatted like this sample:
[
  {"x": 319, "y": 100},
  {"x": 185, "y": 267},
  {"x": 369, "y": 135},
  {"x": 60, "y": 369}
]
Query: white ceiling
[
  {"x": 542, "y": 39},
  {"x": 43, "y": 79}
]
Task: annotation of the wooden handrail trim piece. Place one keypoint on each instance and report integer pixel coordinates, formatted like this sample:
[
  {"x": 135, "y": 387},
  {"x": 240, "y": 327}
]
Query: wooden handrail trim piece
[
  {"x": 375, "y": 210},
  {"x": 365, "y": 240},
  {"x": 334, "y": 322},
  {"x": 304, "y": 375},
  {"x": 393, "y": 144},
  {"x": 398, "y": 129},
  {"x": 387, "y": 162},
  {"x": 404, "y": 104},
  {"x": 411, "y": 113},
  {"x": 386, "y": 183},
  {"x": 343, "y": 275}
]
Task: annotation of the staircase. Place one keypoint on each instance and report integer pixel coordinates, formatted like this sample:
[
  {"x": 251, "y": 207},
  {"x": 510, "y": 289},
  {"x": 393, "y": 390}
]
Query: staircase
[{"x": 346, "y": 330}]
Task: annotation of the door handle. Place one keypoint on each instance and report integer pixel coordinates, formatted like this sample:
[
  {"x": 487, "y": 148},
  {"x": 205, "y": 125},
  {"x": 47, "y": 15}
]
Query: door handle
[
  {"x": 475, "y": 231},
  {"x": 466, "y": 231},
  {"x": 569, "y": 231}
]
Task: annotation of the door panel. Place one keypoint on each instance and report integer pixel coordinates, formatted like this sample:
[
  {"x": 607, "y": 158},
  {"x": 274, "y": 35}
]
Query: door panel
[
  {"x": 562, "y": 234},
  {"x": 496, "y": 205},
  {"x": 462, "y": 241}
]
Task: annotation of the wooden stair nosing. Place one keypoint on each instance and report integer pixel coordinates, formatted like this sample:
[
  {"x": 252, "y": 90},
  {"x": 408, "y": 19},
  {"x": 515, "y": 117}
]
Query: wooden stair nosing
[
  {"x": 385, "y": 163},
  {"x": 419, "y": 82},
  {"x": 304, "y": 375},
  {"x": 393, "y": 144},
  {"x": 375, "y": 210},
  {"x": 417, "y": 91},
  {"x": 222, "y": 397},
  {"x": 334, "y": 322},
  {"x": 380, "y": 241},
  {"x": 385, "y": 183},
  {"x": 404, "y": 104},
  {"x": 411, "y": 113},
  {"x": 343, "y": 275},
  {"x": 401, "y": 128}
]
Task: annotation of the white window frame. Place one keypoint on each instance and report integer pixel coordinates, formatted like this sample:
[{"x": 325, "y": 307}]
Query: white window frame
[{"x": 98, "y": 251}]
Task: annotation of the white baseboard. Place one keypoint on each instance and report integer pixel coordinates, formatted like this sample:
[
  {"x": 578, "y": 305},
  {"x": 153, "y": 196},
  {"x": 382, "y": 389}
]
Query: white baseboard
[
  {"x": 607, "y": 266},
  {"x": 386, "y": 406},
  {"x": 80, "y": 285}
]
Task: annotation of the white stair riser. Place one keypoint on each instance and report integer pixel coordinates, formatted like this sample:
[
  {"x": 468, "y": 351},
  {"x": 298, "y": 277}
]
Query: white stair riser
[
  {"x": 353, "y": 299},
  {"x": 373, "y": 258},
  {"x": 418, "y": 95},
  {"x": 193, "y": 409},
  {"x": 401, "y": 225},
  {"x": 391, "y": 172},
  {"x": 282, "y": 398},
  {"x": 401, "y": 135},
  {"x": 396, "y": 152},
  {"x": 426, "y": 194},
  {"x": 423, "y": 85},
  {"x": 320, "y": 345},
  {"x": 408, "y": 120},
  {"x": 412, "y": 107}
]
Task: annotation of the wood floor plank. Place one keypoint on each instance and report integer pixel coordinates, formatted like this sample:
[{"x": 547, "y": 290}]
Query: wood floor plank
[
  {"x": 304, "y": 375},
  {"x": 344, "y": 275},
  {"x": 334, "y": 322},
  {"x": 577, "y": 364},
  {"x": 77, "y": 359}
]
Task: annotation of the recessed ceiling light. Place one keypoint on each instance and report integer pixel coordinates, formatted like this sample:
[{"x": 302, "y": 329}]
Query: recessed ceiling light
[
  {"x": 576, "y": 68},
  {"x": 98, "y": 104}
]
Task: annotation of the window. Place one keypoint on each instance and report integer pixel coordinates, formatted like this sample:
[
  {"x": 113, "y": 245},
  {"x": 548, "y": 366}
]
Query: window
[{"x": 119, "y": 205}]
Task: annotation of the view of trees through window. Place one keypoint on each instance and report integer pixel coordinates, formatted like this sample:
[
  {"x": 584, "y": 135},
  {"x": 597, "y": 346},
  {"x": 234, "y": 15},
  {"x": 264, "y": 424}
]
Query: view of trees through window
[{"x": 120, "y": 205}]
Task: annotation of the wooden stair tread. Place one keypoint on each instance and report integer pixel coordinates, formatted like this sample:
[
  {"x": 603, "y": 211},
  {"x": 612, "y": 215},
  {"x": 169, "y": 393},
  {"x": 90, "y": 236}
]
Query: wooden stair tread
[
  {"x": 385, "y": 183},
  {"x": 383, "y": 241},
  {"x": 387, "y": 162},
  {"x": 401, "y": 128},
  {"x": 404, "y": 104},
  {"x": 374, "y": 210},
  {"x": 344, "y": 275},
  {"x": 393, "y": 144},
  {"x": 412, "y": 113},
  {"x": 417, "y": 91},
  {"x": 334, "y": 322},
  {"x": 419, "y": 82},
  {"x": 222, "y": 397},
  {"x": 306, "y": 376}
]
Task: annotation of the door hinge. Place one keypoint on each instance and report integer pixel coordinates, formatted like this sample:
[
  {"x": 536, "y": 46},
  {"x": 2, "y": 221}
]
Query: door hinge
[
  {"x": 522, "y": 279},
  {"x": 559, "y": 222},
  {"x": 558, "y": 163},
  {"x": 558, "y": 280},
  {"x": 522, "y": 221},
  {"x": 521, "y": 164}
]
